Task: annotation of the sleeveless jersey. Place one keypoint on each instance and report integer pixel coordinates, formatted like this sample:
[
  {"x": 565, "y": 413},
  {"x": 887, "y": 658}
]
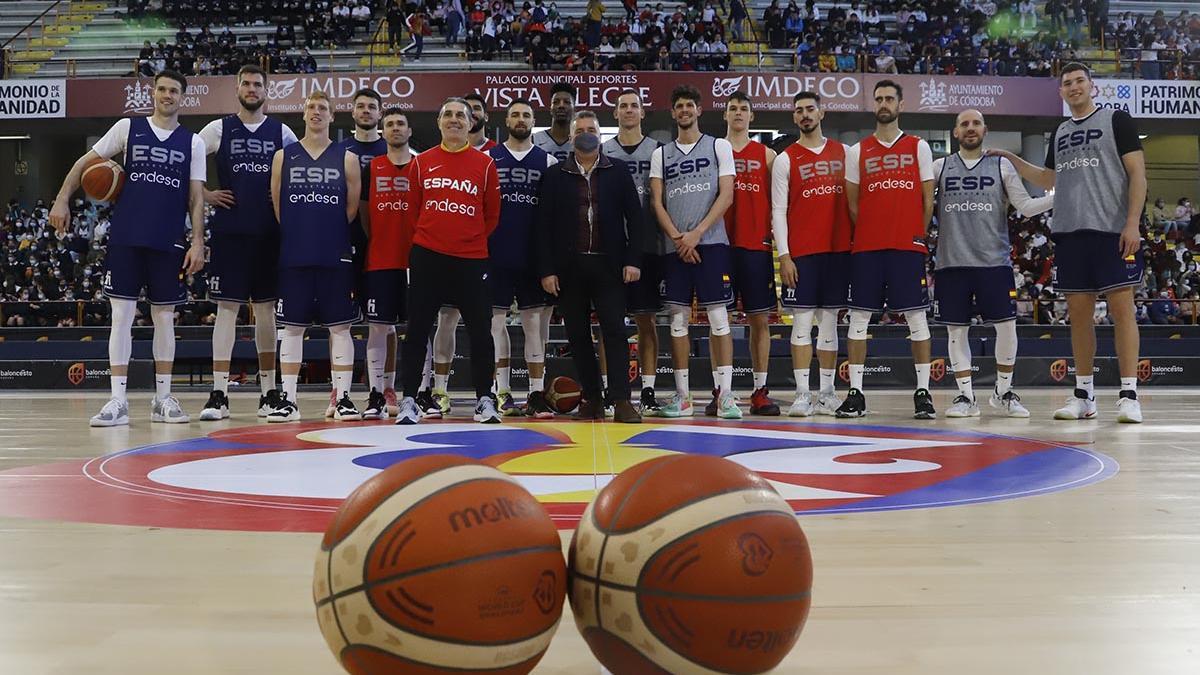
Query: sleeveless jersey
[
  {"x": 748, "y": 220},
  {"x": 393, "y": 215},
  {"x": 244, "y": 166},
  {"x": 1091, "y": 188},
  {"x": 891, "y": 211},
  {"x": 690, "y": 186},
  {"x": 972, "y": 215},
  {"x": 312, "y": 209},
  {"x": 543, "y": 140},
  {"x": 508, "y": 245},
  {"x": 365, "y": 151},
  {"x": 818, "y": 216},
  {"x": 488, "y": 144},
  {"x": 153, "y": 207},
  {"x": 638, "y": 162}
]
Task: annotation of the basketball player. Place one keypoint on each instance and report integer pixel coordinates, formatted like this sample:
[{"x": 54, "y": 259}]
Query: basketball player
[
  {"x": 388, "y": 221},
  {"x": 164, "y": 187},
  {"x": 974, "y": 259},
  {"x": 315, "y": 189},
  {"x": 811, "y": 223},
  {"x": 748, "y": 224},
  {"x": 643, "y": 299},
  {"x": 520, "y": 167},
  {"x": 889, "y": 189},
  {"x": 691, "y": 187},
  {"x": 479, "y": 114},
  {"x": 1096, "y": 165},
  {"x": 457, "y": 193},
  {"x": 244, "y": 246},
  {"x": 557, "y": 139}
]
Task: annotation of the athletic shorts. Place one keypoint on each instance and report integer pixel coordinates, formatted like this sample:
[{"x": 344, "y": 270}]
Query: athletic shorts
[
  {"x": 822, "y": 282},
  {"x": 1091, "y": 262},
  {"x": 708, "y": 281},
  {"x": 243, "y": 268},
  {"x": 386, "y": 296},
  {"x": 129, "y": 269},
  {"x": 321, "y": 295},
  {"x": 888, "y": 278},
  {"x": 961, "y": 293},
  {"x": 521, "y": 285},
  {"x": 753, "y": 280},
  {"x": 644, "y": 296}
]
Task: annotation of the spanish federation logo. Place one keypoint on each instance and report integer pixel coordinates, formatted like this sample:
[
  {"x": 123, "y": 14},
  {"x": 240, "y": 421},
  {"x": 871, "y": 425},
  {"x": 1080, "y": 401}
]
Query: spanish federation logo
[{"x": 263, "y": 478}]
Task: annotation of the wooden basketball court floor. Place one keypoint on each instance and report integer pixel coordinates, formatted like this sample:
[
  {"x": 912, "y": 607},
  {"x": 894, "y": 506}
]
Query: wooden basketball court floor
[{"x": 1102, "y": 578}]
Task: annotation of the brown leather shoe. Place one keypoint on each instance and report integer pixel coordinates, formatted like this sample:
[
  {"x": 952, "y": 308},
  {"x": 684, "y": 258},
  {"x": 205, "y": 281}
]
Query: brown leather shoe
[
  {"x": 590, "y": 410},
  {"x": 626, "y": 413}
]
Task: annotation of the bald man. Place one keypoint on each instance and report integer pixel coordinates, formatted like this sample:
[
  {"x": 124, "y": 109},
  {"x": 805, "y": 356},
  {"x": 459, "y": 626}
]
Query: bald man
[{"x": 973, "y": 261}]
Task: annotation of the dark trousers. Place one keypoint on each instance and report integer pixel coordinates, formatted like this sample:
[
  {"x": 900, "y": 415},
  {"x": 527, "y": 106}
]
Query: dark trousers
[
  {"x": 434, "y": 280},
  {"x": 595, "y": 282}
]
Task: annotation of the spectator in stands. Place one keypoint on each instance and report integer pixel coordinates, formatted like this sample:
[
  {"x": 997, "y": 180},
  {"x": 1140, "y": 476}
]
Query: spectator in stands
[
  {"x": 718, "y": 58},
  {"x": 737, "y": 19},
  {"x": 1164, "y": 309}
]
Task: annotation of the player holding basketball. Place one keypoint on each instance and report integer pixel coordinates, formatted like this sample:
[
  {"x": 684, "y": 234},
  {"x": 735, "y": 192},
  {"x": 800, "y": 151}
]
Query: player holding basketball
[
  {"x": 748, "y": 224},
  {"x": 520, "y": 167},
  {"x": 243, "y": 265},
  {"x": 811, "y": 223},
  {"x": 889, "y": 189},
  {"x": 974, "y": 259},
  {"x": 457, "y": 192},
  {"x": 315, "y": 188},
  {"x": 1096, "y": 165},
  {"x": 691, "y": 187},
  {"x": 557, "y": 139},
  {"x": 164, "y": 187},
  {"x": 388, "y": 219}
]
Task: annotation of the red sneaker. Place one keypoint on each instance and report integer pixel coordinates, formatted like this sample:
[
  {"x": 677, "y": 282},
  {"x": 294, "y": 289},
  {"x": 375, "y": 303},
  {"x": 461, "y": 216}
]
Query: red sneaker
[{"x": 761, "y": 403}]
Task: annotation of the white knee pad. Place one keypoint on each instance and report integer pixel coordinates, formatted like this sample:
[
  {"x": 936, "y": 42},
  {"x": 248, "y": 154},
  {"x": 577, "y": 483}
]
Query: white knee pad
[
  {"x": 802, "y": 321},
  {"x": 859, "y": 320},
  {"x": 959, "y": 348},
  {"x": 500, "y": 334},
  {"x": 341, "y": 346},
  {"x": 918, "y": 325},
  {"x": 264, "y": 327},
  {"x": 531, "y": 326},
  {"x": 1006, "y": 343},
  {"x": 679, "y": 321},
  {"x": 718, "y": 320},
  {"x": 163, "y": 317},
  {"x": 444, "y": 336},
  {"x": 224, "y": 330},
  {"x": 827, "y": 336},
  {"x": 291, "y": 347},
  {"x": 120, "y": 336}
]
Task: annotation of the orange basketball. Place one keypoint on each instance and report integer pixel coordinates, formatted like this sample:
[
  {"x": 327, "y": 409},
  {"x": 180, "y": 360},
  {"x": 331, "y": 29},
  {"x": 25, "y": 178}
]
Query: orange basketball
[
  {"x": 440, "y": 564},
  {"x": 689, "y": 564},
  {"x": 102, "y": 179},
  {"x": 564, "y": 394}
]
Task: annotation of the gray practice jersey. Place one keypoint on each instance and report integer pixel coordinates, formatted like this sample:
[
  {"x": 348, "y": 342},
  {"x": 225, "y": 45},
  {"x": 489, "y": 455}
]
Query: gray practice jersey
[
  {"x": 638, "y": 162},
  {"x": 543, "y": 140},
  {"x": 690, "y": 186},
  {"x": 1091, "y": 186},
  {"x": 972, "y": 215}
]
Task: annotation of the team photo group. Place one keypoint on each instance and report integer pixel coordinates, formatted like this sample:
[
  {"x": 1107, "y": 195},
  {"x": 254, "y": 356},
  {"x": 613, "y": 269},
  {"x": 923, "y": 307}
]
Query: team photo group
[{"x": 308, "y": 231}]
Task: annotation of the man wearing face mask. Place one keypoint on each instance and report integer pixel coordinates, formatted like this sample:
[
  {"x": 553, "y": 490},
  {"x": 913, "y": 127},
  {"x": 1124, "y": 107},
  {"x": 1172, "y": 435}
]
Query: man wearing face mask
[{"x": 588, "y": 244}]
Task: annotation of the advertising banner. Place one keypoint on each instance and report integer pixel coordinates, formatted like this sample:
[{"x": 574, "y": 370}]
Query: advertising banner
[
  {"x": 89, "y": 375},
  {"x": 1158, "y": 99},
  {"x": 32, "y": 99}
]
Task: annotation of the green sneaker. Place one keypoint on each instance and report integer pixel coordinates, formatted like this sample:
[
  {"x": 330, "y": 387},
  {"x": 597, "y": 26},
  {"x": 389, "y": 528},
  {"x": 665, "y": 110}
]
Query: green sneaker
[
  {"x": 678, "y": 407},
  {"x": 727, "y": 408}
]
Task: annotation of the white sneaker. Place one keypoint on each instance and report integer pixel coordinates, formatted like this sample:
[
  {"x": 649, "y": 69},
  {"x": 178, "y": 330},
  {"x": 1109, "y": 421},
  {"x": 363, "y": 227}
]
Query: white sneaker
[
  {"x": 802, "y": 406},
  {"x": 963, "y": 407},
  {"x": 408, "y": 412},
  {"x": 727, "y": 407},
  {"x": 168, "y": 410},
  {"x": 828, "y": 403},
  {"x": 1078, "y": 407},
  {"x": 485, "y": 411},
  {"x": 1129, "y": 410},
  {"x": 114, "y": 413},
  {"x": 1009, "y": 402},
  {"x": 283, "y": 410}
]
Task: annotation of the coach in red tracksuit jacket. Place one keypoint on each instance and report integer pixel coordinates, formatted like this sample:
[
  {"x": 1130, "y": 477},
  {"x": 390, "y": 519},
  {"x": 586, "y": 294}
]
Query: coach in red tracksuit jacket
[{"x": 457, "y": 194}]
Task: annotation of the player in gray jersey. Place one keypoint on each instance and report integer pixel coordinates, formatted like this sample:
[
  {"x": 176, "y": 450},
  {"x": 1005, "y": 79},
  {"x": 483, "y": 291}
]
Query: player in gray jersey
[
  {"x": 557, "y": 139},
  {"x": 974, "y": 259},
  {"x": 1097, "y": 168}
]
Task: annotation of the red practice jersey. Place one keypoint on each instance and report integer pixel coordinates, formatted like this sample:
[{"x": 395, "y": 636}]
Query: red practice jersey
[
  {"x": 393, "y": 213},
  {"x": 458, "y": 201},
  {"x": 748, "y": 220},
  {"x": 818, "y": 215},
  {"x": 891, "y": 205}
]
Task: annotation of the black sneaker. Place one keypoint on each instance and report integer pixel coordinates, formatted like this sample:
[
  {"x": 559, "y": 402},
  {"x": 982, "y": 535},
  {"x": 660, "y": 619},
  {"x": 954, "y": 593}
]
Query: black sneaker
[
  {"x": 710, "y": 410},
  {"x": 268, "y": 402},
  {"x": 428, "y": 407},
  {"x": 537, "y": 408},
  {"x": 217, "y": 407},
  {"x": 376, "y": 406},
  {"x": 855, "y": 405},
  {"x": 610, "y": 405},
  {"x": 283, "y": 410},
  {"x": 923, "y": 405},
  {"x": 650, "y": 405},
  {"x": 345, "y": 411}
]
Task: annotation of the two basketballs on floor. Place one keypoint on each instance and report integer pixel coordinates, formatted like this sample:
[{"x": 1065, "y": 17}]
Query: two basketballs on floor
[{"x": 683, "y": 564}]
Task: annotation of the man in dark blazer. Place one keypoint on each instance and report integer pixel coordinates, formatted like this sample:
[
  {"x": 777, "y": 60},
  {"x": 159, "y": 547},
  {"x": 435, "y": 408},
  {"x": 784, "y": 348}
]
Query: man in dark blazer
[{"x": 588, "y": 230}]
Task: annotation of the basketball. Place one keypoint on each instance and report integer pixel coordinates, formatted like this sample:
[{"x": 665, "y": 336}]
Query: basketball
[
  {"x": 564, "y": 394},
  {"x": 103, "y": 179},
  {"x": 689, "y": 564},
  {"x": 439, "y": 564}
]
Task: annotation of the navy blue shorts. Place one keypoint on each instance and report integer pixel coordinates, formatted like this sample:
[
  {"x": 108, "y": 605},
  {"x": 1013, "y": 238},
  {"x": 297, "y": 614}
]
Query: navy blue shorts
[
  {"x": 822, "y": 281},
  {"x": 1091, "y": 262},
  {"x": 322, "y": 295},
  {"x": 962, "y": 293},
  {"x": 129, "y": 269},
  {"x": 243, "y": 268},
  {"x": 386, "y": 296},
  {"x": 709, "y": 280},
  {"x": 891, "y": 278},
  {"x": 645, "y": 296},
  {"x": 523, "y": 285},
  {"x": 754, "y": 280}
]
